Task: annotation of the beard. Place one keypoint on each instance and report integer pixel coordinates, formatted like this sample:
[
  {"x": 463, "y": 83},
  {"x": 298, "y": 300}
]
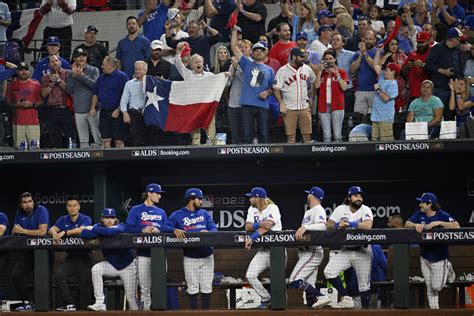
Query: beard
[
  {"x": 421, "y": 49},
  {"x": 369, "y": 46},
  {"x": 356, "y": 205}
]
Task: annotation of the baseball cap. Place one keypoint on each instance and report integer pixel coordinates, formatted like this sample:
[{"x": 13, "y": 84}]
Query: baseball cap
[
  {"x": 428, "y": 197},
  {"x": 394, "y": 67},
  {"x": 423, "y": 36},
  {"x": 453, "y": 33},
  {"x": 257, "y": 192},
  {"x": 154, "y": 188},
  {"x": 326, "y": 27},
  {"x": 194, "y": 193},
  {"x": 108, "y": 212},
  {"x": 156, "y": 44},
  {"x": 172, "y": 13},
  {"x": 53, "y": 40},
  {"x": 317, "y": 192},
  {"x": 78, "y": 52},
  {"x": 301, "y": 35},
  {"x": 22, "y": 66},
  {"x": 91, "y": 28},
  {"x": 259, "y": 45},
  {"x": 354, "y": 190},
  {"x": 325, "y": 13},
  {"x": 298, "y": 52}
]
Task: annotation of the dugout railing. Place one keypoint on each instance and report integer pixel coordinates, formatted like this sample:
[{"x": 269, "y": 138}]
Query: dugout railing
[{"x": 276, "y": 241}]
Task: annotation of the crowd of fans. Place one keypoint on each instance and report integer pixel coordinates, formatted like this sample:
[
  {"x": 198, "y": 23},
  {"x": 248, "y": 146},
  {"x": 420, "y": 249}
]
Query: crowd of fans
[{"x": 305, "y": 69}]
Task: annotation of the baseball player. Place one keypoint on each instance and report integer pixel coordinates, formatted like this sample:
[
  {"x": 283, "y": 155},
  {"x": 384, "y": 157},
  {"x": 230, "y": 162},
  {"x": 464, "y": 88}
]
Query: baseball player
[
  {"x": 263, "y": 215},
  {"x": 30, "y": 220},
  {"x": 309, "y": 258},
  {"x": 77, "y": 262},
  {"x": 352, "y": 214},
  {"x": 149, "y": 219},
  {"x": 291, "y": 90},
  {"x": 435, "y": 266},
  {"x": 198, "y": 262},
  {"x": 119, "y": 262}
]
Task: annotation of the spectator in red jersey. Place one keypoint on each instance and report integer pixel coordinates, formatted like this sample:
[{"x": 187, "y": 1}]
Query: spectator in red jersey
[
  {"x": 281, "y": 49},
  {"x": 270, "y": 62},
  {"x": 24, "y": 94},
  {"x": 412, "y": 69},
  {"x": 60, "y": 120}
]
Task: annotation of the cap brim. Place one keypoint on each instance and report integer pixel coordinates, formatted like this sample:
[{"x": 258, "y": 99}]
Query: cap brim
[
  {"x": 419, "y": 199},
  {"x": 309, "y": 192},
  {"x": 248, "y": 194}
]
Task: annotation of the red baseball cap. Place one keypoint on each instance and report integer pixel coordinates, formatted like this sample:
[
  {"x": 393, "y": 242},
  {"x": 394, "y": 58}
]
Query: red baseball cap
[
  {"x": 394, "y": 67},
  {"x": 423, "y": 36}
]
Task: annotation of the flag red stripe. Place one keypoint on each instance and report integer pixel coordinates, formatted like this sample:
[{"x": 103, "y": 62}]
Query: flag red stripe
[
  {"x": 32, "y": 26},
  {"x": 187, "y": 118}
]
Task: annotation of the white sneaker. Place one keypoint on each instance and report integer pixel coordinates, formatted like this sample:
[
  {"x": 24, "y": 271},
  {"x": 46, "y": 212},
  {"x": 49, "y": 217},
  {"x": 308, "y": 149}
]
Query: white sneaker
[
  {"x": 97, "y": 307},
  {"x": 451, "y": 273},
  {"x": 322, "y": 301},
  {"x": 346, "y": 302}
]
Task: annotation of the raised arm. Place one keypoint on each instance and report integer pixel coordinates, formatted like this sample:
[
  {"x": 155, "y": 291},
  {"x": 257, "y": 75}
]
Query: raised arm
[{"x": 234, "y": 45}]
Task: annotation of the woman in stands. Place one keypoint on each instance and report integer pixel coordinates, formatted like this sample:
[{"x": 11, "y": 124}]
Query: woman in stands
[
  {"x": 118, "y": 262},
  {"x": 221, "y": 60},
  {"x": 303, "y": 22},
  {"x": 462, "y": 103},
  {"x": 332, "y": 82}
]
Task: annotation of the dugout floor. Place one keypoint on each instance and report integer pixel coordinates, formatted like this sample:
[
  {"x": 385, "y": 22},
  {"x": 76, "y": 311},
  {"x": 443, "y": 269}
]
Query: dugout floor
[{"x": 384, "y": 312}]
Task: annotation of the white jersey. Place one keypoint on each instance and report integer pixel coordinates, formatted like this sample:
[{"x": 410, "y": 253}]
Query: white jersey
[
  {"x": 314, "y": 218},
  {"x": 294, "y": 84},
  {"x": 271, "y": 212},
  {"x": 343, "y": 211}
]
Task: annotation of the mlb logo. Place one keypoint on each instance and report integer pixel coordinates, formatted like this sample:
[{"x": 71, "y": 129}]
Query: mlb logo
[
  {"x": 222, "y": 151},
  {"x": 44, "y": 156},
  {"x": 428, "y": 236},
  {"x": 239, "y": 238},
  {"x": 135, "y": 153},
  {"x": 32, "y": 242},
  {"x": 380, "y": 147},
  {"x": 138, "y": 240}
]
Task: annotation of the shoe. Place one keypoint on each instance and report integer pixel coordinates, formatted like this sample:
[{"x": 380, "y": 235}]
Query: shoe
[
  {"x": 322, "y": 301},
  {"x": 68, "y": 308},
  {"x": 25, "y": 308},
  {"x": 97, "y": 307},
  {"x": 346, "y": 302},
  {"x": 264, "y": 304},
  {"x": 451, "y": 273}
]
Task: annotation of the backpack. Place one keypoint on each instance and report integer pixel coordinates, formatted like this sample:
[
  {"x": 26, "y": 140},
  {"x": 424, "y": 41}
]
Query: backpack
[{"x": 14, "y": 51}]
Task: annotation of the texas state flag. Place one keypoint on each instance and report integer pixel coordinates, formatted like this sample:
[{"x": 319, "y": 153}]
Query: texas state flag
[{"x": 182, "y": 106}]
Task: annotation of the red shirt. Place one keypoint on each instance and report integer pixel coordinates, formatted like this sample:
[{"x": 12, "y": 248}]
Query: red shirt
[
  {"x": 272, "y": 63},
  {"x": 337, "y": 94},
  {"x": 417, "y": 74},
  {"x": 281, "y": 51},
  {"x": 29, "y": 90}
]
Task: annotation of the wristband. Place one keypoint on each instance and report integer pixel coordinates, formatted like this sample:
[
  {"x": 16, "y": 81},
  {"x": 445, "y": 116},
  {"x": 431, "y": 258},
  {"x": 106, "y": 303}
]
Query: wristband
[
  {"x": 255, "y": 226},
  {"x": 255, "y": 235},
  {"x": 354, "y": 224}
]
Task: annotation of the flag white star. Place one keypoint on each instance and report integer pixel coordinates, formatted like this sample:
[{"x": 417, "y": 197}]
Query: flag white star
[{"x": 153, "y": 98}]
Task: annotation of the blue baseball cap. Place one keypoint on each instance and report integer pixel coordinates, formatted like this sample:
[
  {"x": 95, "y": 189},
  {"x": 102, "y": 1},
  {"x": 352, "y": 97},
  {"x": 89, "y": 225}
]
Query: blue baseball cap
[
  {"x": 259, "y": 45},
  {"x": 194, "y": 193},
  {"x": 257, "y": 192},
  {"x": 354, "y": 190},
  {"x": 428, "y": 197},
  {"x": 301, "y": 35},
  {"x": 454, "y": 33},
  {"x": 53, "y": 40},
  {"x": 108, "y": 212},
  {"x": 326, "y": 27},
  {"x": 317, "y": 192},
  {"x": 325, "y": 13},
  {"x": 154, "y": 188}
]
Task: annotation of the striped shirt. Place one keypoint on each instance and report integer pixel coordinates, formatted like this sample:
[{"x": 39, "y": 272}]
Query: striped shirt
[{"x": 133, "y": 96}]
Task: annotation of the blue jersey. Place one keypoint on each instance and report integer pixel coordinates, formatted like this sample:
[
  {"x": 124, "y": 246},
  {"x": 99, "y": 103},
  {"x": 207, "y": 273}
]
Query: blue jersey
[
  {"x": 64, "y": 223},
  {"x": 42, "y": 67},
  {"x": 4, "y": 221},
  {"x": 141, "y": 216},
  {"x": 118, "y": 258},
  {"x": 193, "y": 222},
  {"x": 257, "y": 78},
  {"x": 431, "y": 252},
  {"x": 38, "y": 216}
]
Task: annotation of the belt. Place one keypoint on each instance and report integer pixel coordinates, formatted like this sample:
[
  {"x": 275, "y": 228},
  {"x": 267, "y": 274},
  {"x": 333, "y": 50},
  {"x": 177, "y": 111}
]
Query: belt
[
  {"x": 134, "y": 111},
  {"x": 355, "y": 248},
  {"x": 60, "y": 106}
]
